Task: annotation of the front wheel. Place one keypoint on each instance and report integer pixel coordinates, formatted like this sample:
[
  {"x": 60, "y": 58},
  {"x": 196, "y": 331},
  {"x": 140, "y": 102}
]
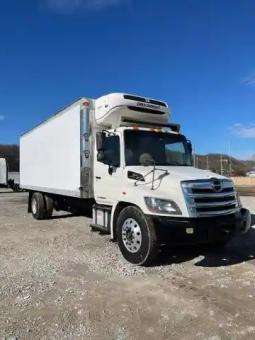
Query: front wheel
[
  {"x": 136, "y": 237},
  {"x": 221, "y": 243}
]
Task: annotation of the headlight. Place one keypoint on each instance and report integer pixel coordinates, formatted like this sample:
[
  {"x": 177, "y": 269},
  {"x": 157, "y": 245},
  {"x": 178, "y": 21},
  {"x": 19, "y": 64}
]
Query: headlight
[{"x": 162, "y": 206}]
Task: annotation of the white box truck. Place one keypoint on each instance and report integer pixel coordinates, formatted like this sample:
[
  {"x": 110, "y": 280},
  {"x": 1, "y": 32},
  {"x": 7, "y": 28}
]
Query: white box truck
[
  {"x": 120, "y": 158},
  {"x": 8, "y": 179},
  {"x": 3, "y": 172}
]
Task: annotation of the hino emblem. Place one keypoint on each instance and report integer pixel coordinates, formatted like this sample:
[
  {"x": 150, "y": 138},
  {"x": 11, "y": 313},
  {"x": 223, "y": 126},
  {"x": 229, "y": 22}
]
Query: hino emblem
[{"x": 216, "y": 185}]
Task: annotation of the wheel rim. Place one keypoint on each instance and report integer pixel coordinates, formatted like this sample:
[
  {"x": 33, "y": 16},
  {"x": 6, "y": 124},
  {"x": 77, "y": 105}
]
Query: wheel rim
[
  {"x": 34, "y": 206},
  {"x": 131, "y": 235}
]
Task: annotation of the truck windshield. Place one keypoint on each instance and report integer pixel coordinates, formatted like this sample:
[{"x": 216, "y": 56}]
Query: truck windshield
[{"x": 163, "y": 148}]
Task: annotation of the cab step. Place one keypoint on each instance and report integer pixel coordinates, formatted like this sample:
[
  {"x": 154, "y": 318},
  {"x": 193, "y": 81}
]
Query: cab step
[{"x": 101, "y": 218}]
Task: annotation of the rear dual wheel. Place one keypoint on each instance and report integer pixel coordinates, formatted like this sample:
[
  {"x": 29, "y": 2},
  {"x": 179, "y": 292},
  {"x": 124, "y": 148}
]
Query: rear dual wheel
[{"x": 41, "y": 206}]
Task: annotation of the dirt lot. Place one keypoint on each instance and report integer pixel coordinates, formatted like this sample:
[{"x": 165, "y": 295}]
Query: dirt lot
[
  {"x": 246, "y": 190},
  {"x": 60, "y": 281}
]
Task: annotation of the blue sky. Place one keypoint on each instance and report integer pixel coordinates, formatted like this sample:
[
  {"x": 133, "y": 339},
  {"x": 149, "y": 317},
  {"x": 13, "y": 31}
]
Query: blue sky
[{"x": 197, "y": 55}]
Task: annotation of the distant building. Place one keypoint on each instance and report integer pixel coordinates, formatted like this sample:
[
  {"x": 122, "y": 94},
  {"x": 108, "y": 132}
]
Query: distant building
[{"x": 250, "y": 174}]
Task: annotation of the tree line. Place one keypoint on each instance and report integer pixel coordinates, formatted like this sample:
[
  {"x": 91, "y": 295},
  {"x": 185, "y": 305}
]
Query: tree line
[{"x": 11, "y": 154}]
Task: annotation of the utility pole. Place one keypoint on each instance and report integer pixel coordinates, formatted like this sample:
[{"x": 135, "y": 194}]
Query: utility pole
[
  {"x": 207, "y": 162},
  {"x": 194, "y": 157},
  {"x": 221, "y": 167},
  {"x": 230, "y": 161}
]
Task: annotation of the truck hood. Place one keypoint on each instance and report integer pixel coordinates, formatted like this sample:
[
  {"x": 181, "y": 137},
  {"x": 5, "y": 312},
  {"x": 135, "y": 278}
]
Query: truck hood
[
  {"x": 165, "y": 185},
  {"x": 176, "y": 174}
]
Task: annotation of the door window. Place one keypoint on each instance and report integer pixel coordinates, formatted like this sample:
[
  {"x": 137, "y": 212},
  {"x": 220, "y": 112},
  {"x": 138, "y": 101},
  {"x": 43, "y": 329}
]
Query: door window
[{"x": 112, "y": 150}]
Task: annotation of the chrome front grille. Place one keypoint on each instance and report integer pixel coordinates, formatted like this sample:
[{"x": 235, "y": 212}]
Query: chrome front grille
[{"x": 210, "y": 197}]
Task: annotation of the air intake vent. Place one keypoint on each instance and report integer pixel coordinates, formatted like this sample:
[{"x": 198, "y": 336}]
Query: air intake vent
[
  {"x": 141, "y": 109},
  {"x": 144, "y": 100}
]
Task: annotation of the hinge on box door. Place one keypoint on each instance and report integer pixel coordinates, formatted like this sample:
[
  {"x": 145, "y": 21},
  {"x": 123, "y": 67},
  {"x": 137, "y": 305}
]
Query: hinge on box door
[
  {"x": 86, "y": 171},
  {"x": 85, "y": 176},
  {"x": 86, "y": 137},
  {"x": 85, "y": 188},
  {"x": 86, "y": 153}
]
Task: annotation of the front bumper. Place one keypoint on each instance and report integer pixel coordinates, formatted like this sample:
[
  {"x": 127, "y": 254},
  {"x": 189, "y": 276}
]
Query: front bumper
[{"x": 200, "y": 230}]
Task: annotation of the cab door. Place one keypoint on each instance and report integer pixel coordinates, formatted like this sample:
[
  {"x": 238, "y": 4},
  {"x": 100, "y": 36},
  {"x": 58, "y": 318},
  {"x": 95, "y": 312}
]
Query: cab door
[{"x": 107, "y": 179}]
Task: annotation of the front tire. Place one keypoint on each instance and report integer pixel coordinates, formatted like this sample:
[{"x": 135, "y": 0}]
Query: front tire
[
  {"x": 218, "y": 245},
  {"x": 38, "y": 206},
  {"x": 136, "y": 237},
  {"x": 221, "y": 244}
]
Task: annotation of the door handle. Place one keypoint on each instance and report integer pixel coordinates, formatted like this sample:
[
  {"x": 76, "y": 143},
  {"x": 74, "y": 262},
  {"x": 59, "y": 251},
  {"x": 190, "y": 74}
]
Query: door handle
[{"x": 97, "y": 177}]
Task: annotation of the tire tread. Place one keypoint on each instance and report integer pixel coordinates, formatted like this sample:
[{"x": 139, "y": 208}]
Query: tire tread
[
  {"x": 49, "y": 206},
  {"x": 40, "y": 206}
]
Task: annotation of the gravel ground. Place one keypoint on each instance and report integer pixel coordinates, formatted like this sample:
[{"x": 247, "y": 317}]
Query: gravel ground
[
  {"x": 246, "y": 190},
  {"x": 58, "y": 280}
]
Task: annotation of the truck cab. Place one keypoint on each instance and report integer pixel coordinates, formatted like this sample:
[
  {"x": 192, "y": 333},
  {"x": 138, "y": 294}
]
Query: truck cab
[{"x": 144, "y": 171}]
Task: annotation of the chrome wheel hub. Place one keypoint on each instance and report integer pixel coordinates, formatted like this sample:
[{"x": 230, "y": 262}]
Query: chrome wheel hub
[{"x": 131, "y": 235}]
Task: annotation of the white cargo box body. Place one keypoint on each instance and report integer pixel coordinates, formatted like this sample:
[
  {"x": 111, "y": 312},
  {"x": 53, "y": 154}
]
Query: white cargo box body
[
  {"x": 50, "y": 154},
  {"x": 3, "y": 171}
]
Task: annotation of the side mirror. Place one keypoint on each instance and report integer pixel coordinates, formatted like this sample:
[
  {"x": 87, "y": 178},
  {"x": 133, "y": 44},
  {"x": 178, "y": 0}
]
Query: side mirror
[
  {"x": 100, "y": 140},
  {"x": 190, "y": 147},
  {"x": 100, "y": 143}
]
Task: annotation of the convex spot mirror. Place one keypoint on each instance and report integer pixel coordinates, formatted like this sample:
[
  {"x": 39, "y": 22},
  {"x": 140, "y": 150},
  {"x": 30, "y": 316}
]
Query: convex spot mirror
[
  {"x": 103, "y": 155},
  {"x": 100, "y": 140},
  {"x": 100, "y": 143}
]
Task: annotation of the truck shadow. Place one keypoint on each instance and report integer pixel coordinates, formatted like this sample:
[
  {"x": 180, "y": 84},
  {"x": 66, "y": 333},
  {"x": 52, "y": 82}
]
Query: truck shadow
[
  {"x": 6, "y": 192},
  {"x": 60, "y": 217},
  {"x": 240, "y": 249}
]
